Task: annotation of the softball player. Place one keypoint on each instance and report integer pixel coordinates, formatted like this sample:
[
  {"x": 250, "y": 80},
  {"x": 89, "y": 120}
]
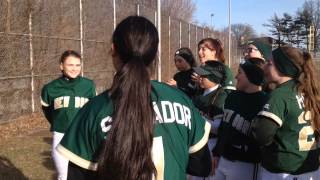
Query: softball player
[
  {"x": 289, "y": 123},
  {"x": 61, "y": 99},
  {"x": 236, "y": 156},
  {"x": 140, "y": 128},
  {"x": 184, "y": 62},
  {"x": 211, "y": 50},
  {"x": 210, "y": 102}
]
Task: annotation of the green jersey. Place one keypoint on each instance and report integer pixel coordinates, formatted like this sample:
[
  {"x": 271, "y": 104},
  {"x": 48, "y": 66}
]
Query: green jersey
[
  {"x": 63, "y": 98},
  {"x": 211, "y": 104},
  {"x": 294, "y": 149},
  {"x": 233, "y": 138},
  {"x": 178, "y": 130}
]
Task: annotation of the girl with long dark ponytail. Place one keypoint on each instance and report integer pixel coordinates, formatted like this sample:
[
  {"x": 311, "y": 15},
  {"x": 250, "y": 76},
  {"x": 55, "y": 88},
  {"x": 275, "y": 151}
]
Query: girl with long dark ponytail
[
  {"x": 140, "y": 128},
  {"x": 127, "y": 152}
]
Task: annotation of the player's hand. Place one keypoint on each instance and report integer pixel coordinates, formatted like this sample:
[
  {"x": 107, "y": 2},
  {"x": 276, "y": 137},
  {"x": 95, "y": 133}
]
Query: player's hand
[
  {"x": 215, "y": 162},
  {"x": 195, "y": 77},
  {"x": 171, "y": 82}
]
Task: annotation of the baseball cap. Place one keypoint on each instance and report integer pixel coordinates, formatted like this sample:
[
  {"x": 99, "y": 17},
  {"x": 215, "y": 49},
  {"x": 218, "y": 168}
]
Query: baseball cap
[
  {"x": 265, "y": 48},
  {"x": 213, "y": 70},
  {"x": 252, "y": 69}
]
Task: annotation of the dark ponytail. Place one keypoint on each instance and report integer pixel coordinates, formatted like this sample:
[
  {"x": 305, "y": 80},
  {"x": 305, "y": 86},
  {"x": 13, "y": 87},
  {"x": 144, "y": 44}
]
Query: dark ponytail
[{"x": 127, "y": 150}]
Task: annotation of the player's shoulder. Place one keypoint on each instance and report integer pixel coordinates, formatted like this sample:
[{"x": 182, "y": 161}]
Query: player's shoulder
[
  {"x": 100, "y": 102},
  {"x": 52, "y": 84},
  {"x": 167, "y": 92},
  {"x": 86, "y": 80}
]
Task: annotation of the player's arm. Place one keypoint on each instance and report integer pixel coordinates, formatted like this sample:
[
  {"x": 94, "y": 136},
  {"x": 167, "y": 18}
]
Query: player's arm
[
  {"x": 46, "y": 105},
  {"x": 47, "y": 110},
  {"x": 200, "y": 162},
  {"x": 263, "y": 130},
  {"x": 78, "y": 173}
]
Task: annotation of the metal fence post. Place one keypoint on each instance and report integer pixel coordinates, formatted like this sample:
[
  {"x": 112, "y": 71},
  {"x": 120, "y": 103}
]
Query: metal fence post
[
  {"x": 31, "y": 62},
  {"x": 81, "y": 37}
]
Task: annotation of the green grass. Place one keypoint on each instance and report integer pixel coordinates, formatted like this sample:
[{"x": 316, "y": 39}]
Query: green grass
[{"x": 27, "y": 157}]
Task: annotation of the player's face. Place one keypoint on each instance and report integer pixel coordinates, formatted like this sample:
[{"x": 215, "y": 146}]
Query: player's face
[
  {"x": 205, "y": 83},
  {"x": 252, "y": 52},
  {"x": 206, "y": 54},
  {"x": 271, "y": 73},
  {"x": 181, "y": 64},
  {"x": 71, "y": 67},
  {"x": 242, "y": 80}
]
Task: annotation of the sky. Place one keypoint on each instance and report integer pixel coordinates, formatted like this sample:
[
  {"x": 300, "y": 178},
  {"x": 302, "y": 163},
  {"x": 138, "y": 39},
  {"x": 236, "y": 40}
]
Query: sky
[{"x": 253, "y": 12}]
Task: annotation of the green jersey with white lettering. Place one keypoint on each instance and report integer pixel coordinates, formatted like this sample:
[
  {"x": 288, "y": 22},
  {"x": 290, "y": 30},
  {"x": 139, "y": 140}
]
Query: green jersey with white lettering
[
  {"x": 233, "y": 138},
  {"x": 178, "y": 130},
  {"x": 294, "y": 149},
  {"x": 63, "y": 97}
]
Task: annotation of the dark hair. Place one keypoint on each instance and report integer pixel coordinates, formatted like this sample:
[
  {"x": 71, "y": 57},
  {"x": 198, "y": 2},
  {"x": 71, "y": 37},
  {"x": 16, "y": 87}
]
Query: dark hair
[
  {"x": 127, "y": 149},
  {"x": 187, "y": 55},
  {"x": 214, "y": 44},
  {"x": 307, "y": 83},
  {"x": 68, "y": 53}
]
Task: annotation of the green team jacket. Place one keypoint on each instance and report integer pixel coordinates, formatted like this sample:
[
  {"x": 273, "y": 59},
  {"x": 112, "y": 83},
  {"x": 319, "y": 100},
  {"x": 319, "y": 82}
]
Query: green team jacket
[
  {"x": 178, "y": 130},
  {"x": 234, "y": 142},
  {"x": 62, "y": 98},
  {"x": 294, "y": 149}
]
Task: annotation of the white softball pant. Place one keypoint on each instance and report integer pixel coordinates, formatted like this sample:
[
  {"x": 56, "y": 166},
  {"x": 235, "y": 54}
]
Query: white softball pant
[
  {"x": 60, "y": 162},
  {"x": 267, "y": 175},
  {"x": 235, "y": 170}
]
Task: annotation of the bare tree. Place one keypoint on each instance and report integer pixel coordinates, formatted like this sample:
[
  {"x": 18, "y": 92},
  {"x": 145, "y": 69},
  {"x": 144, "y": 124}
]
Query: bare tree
[
  {"x": 181, "y": 9},
  {"x": 242, "y": 32}
]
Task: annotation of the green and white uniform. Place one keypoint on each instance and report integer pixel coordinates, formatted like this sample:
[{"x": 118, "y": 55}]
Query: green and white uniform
[
  {"x": 64, "y": 97},
  {"x": 61, "y": 99},
  {"x": 293, "y": 149},
  {"x": 178, "y": 131},
  {"x": 237, "y": 150}
]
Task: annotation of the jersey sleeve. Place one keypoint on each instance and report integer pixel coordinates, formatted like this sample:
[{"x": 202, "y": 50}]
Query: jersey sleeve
[
  {"x": 45, "y": 97},
  {"x": 199, "y": 132},
  {"x": 83, "y": 138},
  {"x": 274, "y": 109},
  {"x": 229, "y": 81}
]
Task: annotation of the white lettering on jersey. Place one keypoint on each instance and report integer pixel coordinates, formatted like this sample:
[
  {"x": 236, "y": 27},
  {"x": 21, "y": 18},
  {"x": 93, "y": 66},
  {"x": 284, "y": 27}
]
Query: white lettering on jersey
[
  {"x": 167, "y": 111},
  {"x": 173, "y": 112},
  {"x": 107, "y": 120},
  {"x": 227, "y": 113},
  {"x": 300, "y": 100},
  {"x": 80, "y": 101},
  {"x": 61, "y": 102},
  {"x": 158, "y": 114},
  {"x": 239, "y": 123}
]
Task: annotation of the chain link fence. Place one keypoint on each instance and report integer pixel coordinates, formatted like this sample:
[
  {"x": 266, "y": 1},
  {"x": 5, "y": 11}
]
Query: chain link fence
[{"x": 34, "y": 33}]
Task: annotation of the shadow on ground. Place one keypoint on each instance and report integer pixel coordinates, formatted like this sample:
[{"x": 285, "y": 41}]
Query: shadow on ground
[{"x": 9, "y": 171}]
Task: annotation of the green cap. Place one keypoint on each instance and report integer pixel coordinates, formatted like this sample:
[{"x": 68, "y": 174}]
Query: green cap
[
  {"x": 213, "y": 70},
  {"x": 265, "y": 48}
]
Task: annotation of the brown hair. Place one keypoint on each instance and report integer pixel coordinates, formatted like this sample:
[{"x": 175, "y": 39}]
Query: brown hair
[
  {"x": 307, "y": 83},
  {"x": 126, "y": 153},
  {"x": 214, "y": 44},
  {"x": 68, "y": 53}
]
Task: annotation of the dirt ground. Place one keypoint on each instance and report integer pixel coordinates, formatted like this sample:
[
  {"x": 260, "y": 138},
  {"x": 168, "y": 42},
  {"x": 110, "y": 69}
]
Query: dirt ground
[{"x": 25, "y": 149}]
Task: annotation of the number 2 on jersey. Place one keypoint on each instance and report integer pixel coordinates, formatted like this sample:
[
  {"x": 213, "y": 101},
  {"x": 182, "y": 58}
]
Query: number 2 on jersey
[{"x": 307, "y": 130}]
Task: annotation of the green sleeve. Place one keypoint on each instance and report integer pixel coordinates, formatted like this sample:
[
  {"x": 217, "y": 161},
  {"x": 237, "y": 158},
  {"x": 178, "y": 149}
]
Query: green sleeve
[
  {"x": 83, "y": 138},
  {"x": 199, "y": 132},
  {"x": 275, "y": 109},
  {"x": 46, "y": 106},
  {"x": 263, "y": 130}
]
